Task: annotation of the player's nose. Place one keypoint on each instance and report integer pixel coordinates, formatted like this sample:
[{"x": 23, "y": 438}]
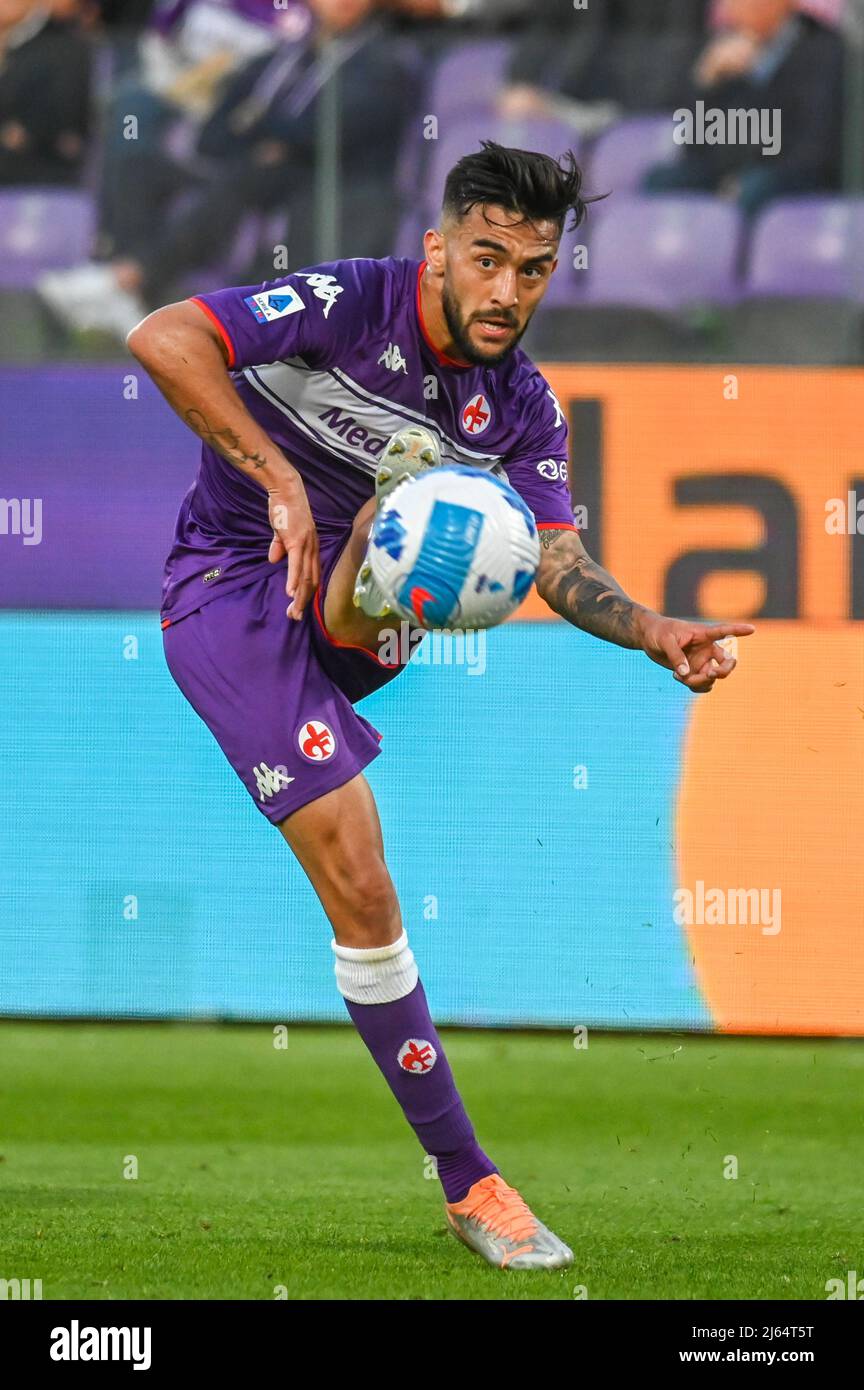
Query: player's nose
[{"x": 504, "y": 292}]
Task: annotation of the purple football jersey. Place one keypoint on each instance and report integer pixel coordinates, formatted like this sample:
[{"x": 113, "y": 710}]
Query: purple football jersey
[{"x": 331, "y": 361}]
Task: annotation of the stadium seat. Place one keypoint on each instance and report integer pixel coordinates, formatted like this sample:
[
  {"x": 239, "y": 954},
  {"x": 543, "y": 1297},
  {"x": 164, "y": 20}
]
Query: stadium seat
[
  {"x": 793, "y": 332},
  {"x": 611, "y": 334},
  {"x": 651, "y": 252},
  {"x": 42, "y": 229},
  {"x": 809, "y": 246},
  {"x": 469, "y": 76},
  {"x": 623, "y": 155}
]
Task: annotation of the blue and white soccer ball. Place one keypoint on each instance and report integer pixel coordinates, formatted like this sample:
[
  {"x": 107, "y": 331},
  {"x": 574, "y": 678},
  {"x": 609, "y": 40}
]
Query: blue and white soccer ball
[{"x": 454, "y": 548}]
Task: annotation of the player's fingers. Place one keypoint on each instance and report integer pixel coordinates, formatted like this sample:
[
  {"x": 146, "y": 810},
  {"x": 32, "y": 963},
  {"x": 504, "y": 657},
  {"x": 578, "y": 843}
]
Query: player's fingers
[
  {"x": 707, "y": 658},
  {"x": 315, "y": 560},
  {"x": 674, "y": 654},
  {"x": 720, "y": 630},
  {"x": 303, "y": 576},
  {"x": 277, "y": 550},
  {"x": 698, "y": 682},
  {"x": 297, "y": 607},
  {"x": 725, "y": 668},
  {"x": 295, "y": 569}
]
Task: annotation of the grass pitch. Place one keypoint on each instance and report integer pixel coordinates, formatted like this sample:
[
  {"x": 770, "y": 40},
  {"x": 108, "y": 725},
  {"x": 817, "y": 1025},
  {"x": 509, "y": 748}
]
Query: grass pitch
[{"x": 262, "y": 1169}]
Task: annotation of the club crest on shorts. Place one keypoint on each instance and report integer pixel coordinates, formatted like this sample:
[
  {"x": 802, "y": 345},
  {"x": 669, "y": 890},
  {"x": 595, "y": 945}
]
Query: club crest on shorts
[
  {"x": 476, "y": 415},
  {"x": 316, "y": 741},
  {"x": 417, "y": 1056}
]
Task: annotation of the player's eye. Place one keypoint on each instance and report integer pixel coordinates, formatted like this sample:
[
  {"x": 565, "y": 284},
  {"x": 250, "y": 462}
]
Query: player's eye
[{"x": 485, "y": 262}]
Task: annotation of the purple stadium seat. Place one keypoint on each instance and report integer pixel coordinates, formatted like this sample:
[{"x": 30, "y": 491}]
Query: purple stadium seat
[
  {"x": 663, "y": 253},
  {"x": 469, "y": 76},
  {"x": 624, "y": 154},
  {"x": 42, "y": 229},
  {"x": 809, "y": 248}
]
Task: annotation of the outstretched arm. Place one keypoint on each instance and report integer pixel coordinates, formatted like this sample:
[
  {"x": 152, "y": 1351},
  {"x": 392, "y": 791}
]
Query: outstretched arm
[
  {"x": 583, "y": 593},
  {"x": 182, "y": 351}
]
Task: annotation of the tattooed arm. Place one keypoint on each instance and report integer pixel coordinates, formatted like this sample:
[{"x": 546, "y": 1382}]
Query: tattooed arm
[
  {"x": 182, "y": 351},
  {"x": 582, "y": 592}
]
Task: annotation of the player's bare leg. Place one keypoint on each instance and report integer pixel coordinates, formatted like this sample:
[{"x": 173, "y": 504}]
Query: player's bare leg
[
  {"x": 337, "y": 840},
  {"x": 354, "y": 608},
  {"x": 343, "y": 619}
]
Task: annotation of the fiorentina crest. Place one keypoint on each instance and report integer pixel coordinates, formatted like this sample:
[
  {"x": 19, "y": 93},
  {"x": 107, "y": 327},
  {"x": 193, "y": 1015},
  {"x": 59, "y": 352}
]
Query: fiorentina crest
[{"x": 417, "y": 1056}]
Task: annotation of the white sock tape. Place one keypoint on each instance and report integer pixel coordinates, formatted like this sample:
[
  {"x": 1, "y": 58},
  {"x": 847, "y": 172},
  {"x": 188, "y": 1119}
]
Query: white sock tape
[{"x": 378, "y": 975}]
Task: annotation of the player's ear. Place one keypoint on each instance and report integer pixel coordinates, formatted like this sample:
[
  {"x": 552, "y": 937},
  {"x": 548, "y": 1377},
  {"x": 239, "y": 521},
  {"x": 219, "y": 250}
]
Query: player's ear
[{"x": 433, "y": 245}]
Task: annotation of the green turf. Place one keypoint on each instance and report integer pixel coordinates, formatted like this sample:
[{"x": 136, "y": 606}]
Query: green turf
[{"x": 260, "y": 1168}]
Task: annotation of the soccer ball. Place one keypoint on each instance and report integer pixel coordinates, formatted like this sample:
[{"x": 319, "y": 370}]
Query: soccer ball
[{"x": 454, "y": 548}]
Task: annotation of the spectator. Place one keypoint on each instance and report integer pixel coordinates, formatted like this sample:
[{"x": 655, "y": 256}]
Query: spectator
[
  {"x": 260, "y": 148},
  {"x": 45, "y": 74},
  {"x": 189, "y": 48},
  {"x": 589, "y": 66},
  {"x": 768, "y": 57}
]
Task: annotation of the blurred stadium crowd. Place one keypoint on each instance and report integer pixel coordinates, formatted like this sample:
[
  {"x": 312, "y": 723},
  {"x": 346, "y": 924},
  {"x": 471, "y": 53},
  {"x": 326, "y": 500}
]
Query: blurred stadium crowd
[{"x": 148, "y": 150}]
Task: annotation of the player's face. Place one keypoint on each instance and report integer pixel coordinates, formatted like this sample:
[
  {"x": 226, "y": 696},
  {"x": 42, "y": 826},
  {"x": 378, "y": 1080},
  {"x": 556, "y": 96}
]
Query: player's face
[{"x": 496, "y": 269}]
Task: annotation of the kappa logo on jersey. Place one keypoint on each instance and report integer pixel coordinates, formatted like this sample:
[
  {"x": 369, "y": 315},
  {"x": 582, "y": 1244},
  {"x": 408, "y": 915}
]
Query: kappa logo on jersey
[
  {"x": 392, "y": 358},
  {"x": 476, "y": 415},
  {"x": 325, "y": 287},
  {"x": 417, "y": 1056},
  {"x": 559, "y": 413},
  {"x": 270, "y": 780},
  {"x": 553, "y": 469},
  {"x": 316, "y": 741},
  {"x": 275, "y": 304}
]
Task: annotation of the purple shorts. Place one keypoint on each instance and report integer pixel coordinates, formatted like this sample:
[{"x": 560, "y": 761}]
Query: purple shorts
[{"x": 278, "y": 695}]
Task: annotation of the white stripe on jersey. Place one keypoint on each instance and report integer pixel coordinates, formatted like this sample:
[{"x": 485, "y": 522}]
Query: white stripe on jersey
[
  {"x": 334, "y": 411},
  {"x": 460, "y": 453}
]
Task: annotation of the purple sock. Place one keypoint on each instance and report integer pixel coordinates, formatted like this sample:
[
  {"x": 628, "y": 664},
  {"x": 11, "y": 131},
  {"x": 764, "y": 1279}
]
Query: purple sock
[{"x": 402, "y": 1038}]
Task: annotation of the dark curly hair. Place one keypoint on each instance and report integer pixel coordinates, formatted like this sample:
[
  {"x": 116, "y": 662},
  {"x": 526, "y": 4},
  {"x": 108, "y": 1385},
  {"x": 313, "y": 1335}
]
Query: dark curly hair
[{"x": 539, "y": 187}]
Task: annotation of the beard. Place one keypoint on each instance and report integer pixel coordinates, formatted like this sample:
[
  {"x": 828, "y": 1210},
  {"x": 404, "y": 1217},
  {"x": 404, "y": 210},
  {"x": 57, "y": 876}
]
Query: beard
[{"x": 458, "y": 329}]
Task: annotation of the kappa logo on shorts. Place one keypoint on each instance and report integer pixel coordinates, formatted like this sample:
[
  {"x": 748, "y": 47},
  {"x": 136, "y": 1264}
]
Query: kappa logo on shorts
[
  {"x": 417, "y": 1056},
  {"x": 476, "y": 415},
  {"x": 316, "y": 741},
  {"x": 270, "y": 780}
]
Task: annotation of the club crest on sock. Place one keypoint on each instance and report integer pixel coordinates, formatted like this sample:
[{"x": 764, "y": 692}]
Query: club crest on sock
[{"x": 417, "y": 1056}]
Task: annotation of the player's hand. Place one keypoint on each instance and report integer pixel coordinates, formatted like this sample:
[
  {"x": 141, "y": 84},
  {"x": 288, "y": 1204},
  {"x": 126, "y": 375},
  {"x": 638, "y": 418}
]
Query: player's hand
[
  {"x": 692, "y": 651},
  {"x": 294, "y": 536}
]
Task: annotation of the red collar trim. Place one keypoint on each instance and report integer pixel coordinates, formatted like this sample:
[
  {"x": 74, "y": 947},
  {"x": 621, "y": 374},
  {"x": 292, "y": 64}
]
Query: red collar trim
[{"x": 442, "y": 357}]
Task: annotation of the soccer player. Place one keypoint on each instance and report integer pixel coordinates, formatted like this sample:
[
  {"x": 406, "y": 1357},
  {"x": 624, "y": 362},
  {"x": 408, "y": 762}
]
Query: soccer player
[{"x": 308, "y": 392}]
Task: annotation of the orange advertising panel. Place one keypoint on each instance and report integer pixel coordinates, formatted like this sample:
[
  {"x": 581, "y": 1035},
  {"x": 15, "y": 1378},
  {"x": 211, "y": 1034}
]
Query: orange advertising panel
[
  {"x": 739, "y": 493},
  {"x": 721, "y": 491}
]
